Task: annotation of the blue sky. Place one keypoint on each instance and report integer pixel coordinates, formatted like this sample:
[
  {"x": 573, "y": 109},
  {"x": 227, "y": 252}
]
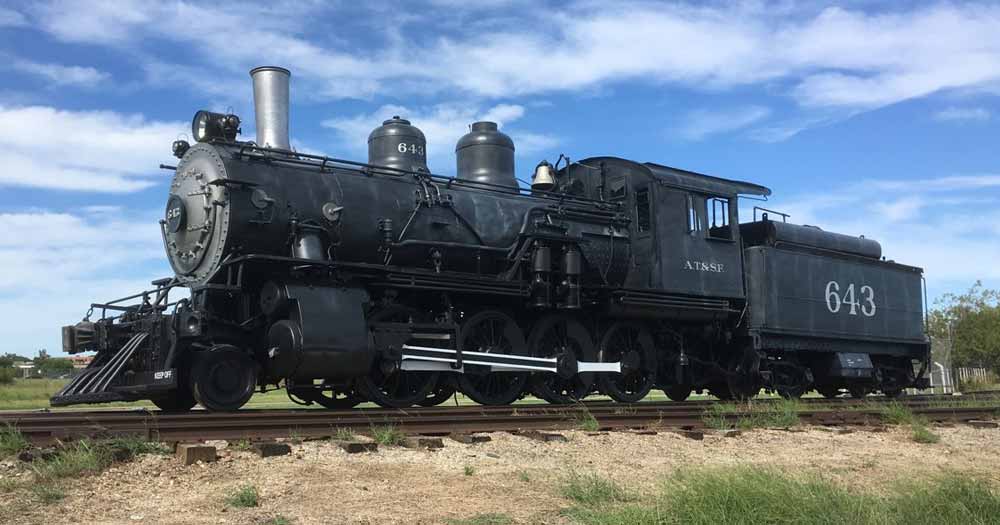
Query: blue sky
[{"x": 864, "y": 118}]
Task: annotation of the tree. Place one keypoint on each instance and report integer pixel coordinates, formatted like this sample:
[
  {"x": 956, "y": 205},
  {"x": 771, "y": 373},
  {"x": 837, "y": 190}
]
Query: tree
[{"x": 971, "y": 323}]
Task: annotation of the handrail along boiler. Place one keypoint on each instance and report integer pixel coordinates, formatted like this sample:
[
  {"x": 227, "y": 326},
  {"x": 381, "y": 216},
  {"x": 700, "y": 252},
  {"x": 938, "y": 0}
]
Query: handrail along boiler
[{"x": 346, "y": 282}]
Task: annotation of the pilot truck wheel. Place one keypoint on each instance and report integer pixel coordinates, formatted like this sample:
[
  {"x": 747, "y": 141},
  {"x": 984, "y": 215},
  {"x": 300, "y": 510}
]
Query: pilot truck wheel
[{"x": 223, "y": 378}]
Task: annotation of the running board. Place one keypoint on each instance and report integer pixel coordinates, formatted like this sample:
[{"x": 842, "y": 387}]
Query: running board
[
  {"x": 449, "y": 360},
  {"x": 91, "y": 386}
]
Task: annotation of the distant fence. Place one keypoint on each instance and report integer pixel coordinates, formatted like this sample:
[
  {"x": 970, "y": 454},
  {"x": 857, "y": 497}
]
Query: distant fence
[{"x": 980, "y": 375}]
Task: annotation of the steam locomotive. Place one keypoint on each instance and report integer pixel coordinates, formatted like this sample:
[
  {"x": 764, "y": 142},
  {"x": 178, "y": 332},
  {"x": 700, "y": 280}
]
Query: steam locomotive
[{"x": 348, "y": 282}]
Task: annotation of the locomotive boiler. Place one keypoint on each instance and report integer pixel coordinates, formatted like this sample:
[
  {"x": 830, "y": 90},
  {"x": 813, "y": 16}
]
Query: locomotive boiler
[{"x": 346, "y": 282}]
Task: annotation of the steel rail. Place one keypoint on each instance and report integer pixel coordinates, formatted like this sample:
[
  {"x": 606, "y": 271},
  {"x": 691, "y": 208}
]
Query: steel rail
[{"x": 47, "y": 427}]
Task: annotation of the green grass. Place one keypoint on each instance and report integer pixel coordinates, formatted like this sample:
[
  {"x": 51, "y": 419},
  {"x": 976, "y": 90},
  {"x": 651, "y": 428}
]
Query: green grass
[
  {"x": 782, "y": 413},
  {"x": 468, "y": 470},
  {"x": 387, "y": 435},
  {"x": 483, "y": 519},
  {"x": 522, "y": 476},
  {"x": 746, "y": 495},
  {"x": 343, "y": 434},
  {"x": 47, "y": 493},
  {"x": 243, "y": 497},
  {"x": 278, "y": 520},
  {"x": 591, "y": 489},
  {"x": 895, "y": 413},
  {"x": 922, "y": 434},
  {"x": 586, "y": 421},
  {"x": 11, "y": 441},
  {"x": 243, "y": 445},
  {"x": 86, "y": 456}
]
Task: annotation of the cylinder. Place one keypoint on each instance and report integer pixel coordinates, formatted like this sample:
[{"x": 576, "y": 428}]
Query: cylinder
[
  {"x": 270, "y": 105},
  {"x": 486, "y": 155},
  {"x": 398, "y": 144}
]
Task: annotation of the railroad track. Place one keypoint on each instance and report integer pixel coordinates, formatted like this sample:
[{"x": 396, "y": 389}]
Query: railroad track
[{"x": 46, "y": 427}]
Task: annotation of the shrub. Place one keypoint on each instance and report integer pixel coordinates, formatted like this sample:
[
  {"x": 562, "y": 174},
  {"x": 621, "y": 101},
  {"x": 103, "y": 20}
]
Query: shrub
[
  {"x": 11, "y": 441},
  {"x": 774, "y": 414},
  {"x": 387, "y": 435},
  {"x": 586, "y": 421},
  {"x": 591, "y": 489},
  {"x": 921, "y": 434},
  {"x": 243, "y": 497},
  {"x": 897, "y": 414},
  {"x": 7, "y": 376}
]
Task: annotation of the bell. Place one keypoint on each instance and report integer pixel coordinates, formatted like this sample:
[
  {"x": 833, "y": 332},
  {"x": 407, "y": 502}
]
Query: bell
[{"x": 543, "y": 179}]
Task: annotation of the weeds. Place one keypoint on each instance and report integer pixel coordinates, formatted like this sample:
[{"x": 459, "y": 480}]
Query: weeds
[
  {"x": 754, "y": 495},
  {"x": 343, "y": 434},
  {"x": 591, "y": 490},
  {"x": 523, "y": 476},
  {"x": 244, "y": 497},
  {"x": 895, "y": 413},
  {"x": 387, "y": 435},
  {"x": 243, "y": 445},
  {"x": 47, "y": 493},
  {"x": 922, "y": 434},
  {"x": 278, "y": 520},
  {"x": 88, "y": 456},
  {"x": 586, "y": 421},
  {"x": 778, "y": 414},
  {"x": 483, "y": 519},
  {"x": 469, "y": 470},
  {"x": 11, "y": 441}
]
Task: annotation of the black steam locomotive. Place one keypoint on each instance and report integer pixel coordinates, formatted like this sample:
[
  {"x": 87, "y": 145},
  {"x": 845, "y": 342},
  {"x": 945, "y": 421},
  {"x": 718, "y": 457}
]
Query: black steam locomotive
[{"x": 347, "y": 282}]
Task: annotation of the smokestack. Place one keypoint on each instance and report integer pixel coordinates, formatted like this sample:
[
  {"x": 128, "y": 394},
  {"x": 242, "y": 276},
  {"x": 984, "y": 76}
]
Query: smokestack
[{"x": 270, "y": 105}]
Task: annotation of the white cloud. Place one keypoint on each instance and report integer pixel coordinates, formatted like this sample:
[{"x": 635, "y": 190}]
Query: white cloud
[
  {"x": 11, "y": 18},
  {"x": 899, "y": 209},
  {"x": 954, "y": 114},
  {"x": 443, "y": 125},
  {"x": 96, "y": 151},
  {"x": 61, "y": 75},
  {"x": 701, "y": 123},
  {"x": 956, "y": 245},
  {"x": 824, "y": 58},
  {"x": 56, "y": 264}
]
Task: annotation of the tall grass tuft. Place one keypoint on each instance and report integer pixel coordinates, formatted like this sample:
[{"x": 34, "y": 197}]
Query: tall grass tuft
[
  {"x": 895, "y": 413},
  {"x": 387, "y": 435},
  {"x": 591, "y": 489},
  {"x": 748, "y": 495},
  {"x": 243, "y": 497},
  {"x": 782, "y": 413},
  {"x": 922, "y": 434},
  {"x": 586, "y": 421},
  {"x": 11, "y": 441}
]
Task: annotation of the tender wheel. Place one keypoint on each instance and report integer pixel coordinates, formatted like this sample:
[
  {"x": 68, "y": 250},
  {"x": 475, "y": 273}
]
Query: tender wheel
[
  {"x": 721, "y": 392},
  {"x": 742, "y": 382},
  {"x": 677, "y": 393},
  {"x": 557, "y": 335},
  {"x": 492, "y": 332},
  {"x": 858, "y": 392},
  {"x": 224, "y": 378},
  {"x": 793, "y": 381},
  {"x": 621, "y": 340},
  {"x": 892, "y": 393},
  {"x": 829, "y": 392},
  {"x": 388, "y": 386}
]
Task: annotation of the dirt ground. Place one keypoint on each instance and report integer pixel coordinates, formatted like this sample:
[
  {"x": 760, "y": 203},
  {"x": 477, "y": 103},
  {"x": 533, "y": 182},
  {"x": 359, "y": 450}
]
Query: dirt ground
[{"x": 512, "y": 475}]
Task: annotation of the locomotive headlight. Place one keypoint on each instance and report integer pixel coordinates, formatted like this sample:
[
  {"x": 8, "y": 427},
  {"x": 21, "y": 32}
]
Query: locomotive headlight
[{"x": 207, "y": 126}]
